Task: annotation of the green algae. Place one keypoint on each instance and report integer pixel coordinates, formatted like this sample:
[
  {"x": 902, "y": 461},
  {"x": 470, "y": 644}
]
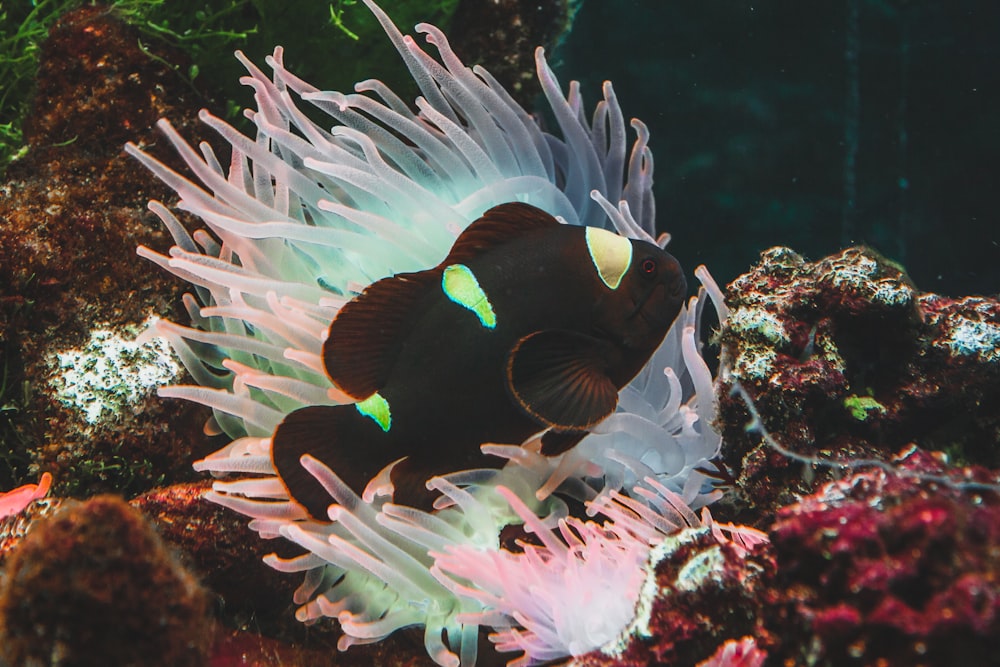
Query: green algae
[{"x": 335, "y": 44}]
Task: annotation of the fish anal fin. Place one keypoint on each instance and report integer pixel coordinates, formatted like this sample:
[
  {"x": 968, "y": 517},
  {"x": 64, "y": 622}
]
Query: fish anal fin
[
  {"x": 338, "y": 436},
  {"x": 496, "y": 226},
  {"x": 555, "y": 443},
  {"x": 365, "y": 336},
  {"x": 560, "y": 378}
]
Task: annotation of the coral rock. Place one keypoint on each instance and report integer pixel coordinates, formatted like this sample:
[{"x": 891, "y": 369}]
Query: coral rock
[
  {"x": 699, "y": 594},
  {"x": 95, "y": 585},
  {"x": 222, "y": 550},
  {"x": 72, "y": 295},
  {"x": 845, "y": 359},
  {"x": 889, "y": 569}
]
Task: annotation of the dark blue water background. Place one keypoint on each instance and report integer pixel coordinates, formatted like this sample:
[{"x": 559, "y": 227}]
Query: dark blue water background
[{"x": 814, "y": 125}]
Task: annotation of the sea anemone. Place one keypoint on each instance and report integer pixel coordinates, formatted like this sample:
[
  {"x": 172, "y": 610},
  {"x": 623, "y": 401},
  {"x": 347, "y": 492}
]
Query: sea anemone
[
  {"x": 303, "y": 219},
  {"x": 542, "y": 599}
]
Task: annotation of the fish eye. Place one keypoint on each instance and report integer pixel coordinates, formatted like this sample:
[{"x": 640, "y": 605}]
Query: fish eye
[{"x": 648, "y": 267}]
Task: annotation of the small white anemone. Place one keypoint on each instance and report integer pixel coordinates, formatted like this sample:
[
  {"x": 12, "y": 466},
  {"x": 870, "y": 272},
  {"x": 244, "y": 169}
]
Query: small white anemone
[
  {"x": 112, "y": 372},
  {"x": 303, "y": 218}
]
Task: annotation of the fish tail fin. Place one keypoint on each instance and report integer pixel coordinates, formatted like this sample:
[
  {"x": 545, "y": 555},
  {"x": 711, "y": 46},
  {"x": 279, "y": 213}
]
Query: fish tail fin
[{"x": 342, "y": 438}]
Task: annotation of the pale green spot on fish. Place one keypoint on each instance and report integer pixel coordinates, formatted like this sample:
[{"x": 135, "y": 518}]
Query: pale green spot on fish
[
  {"x": 611, "y": 254},
  {"x": 460, "y": 285},
  {"x": 377, "y": 409}
]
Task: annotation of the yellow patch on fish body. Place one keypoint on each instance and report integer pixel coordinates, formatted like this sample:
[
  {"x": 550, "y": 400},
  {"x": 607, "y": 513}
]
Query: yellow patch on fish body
[
  {"x": 460, "y": 285},
  {"x": 611, "y": 254},
  {"x": 377, "y": 409}
]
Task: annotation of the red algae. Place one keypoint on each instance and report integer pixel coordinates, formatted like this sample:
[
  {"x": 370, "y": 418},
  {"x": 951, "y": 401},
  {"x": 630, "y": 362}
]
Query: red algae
[{"x": 888, "y": 569}]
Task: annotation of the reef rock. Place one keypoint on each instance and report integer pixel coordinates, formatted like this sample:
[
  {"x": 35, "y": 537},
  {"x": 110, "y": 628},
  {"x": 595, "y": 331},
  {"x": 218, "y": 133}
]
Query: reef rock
[
  {"x": 699, "y": 594},
  {"x": 889, "y": 568},
  {"x": 845, "y": 359},
  {"x": 78, "y": 392}
]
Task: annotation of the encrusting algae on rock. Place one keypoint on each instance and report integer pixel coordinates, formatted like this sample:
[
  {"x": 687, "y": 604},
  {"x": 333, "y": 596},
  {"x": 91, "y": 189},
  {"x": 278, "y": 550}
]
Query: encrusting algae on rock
[
  {"x": 845, "y": 355},
  {"x": 72, "y": 296}
]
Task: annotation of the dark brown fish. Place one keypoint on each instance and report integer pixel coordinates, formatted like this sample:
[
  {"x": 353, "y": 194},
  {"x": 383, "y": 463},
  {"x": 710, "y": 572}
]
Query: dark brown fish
[{"x": 528, "y": 324}]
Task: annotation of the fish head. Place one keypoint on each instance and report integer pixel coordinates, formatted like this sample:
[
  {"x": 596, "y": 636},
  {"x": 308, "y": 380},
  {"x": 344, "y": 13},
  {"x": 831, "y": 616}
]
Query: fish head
[{"x": 638, "y": 313}]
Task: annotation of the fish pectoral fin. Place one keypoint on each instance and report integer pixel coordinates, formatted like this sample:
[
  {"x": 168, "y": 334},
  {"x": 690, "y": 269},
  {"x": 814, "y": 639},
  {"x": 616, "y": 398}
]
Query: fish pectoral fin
[
  {"x": 339, "y": 436},
  {"x": 560, "y": 378},
  {"x": 498, "y": 225},
  {"x": 365, "y": 337}
]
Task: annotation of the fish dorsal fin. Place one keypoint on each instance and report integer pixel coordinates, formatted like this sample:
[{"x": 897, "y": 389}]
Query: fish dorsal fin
[
  {"x": 560, "y": 378},
  {"x": 497, "y": 226},
  {"x": 365, "y": 337}
]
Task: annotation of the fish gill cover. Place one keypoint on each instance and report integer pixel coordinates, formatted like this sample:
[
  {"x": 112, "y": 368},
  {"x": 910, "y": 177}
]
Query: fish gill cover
[{"x": 301, "y": 221}]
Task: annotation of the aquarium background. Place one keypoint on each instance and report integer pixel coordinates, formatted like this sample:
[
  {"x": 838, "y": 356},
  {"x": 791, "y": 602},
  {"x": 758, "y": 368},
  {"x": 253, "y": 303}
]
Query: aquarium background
[{"x": 814, "y": 125}]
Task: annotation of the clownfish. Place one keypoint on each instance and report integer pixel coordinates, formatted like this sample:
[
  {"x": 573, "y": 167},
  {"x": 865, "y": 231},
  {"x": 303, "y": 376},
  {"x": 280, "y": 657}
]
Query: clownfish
[{"x": 528, "y": 324}]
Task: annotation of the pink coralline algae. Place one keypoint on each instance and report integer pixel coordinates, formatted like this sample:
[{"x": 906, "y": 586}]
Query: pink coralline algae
[
  {"x": 14, "y": 501},
  {"x": 889, "y": 569},
  {"x": 884, "y": 568}
]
